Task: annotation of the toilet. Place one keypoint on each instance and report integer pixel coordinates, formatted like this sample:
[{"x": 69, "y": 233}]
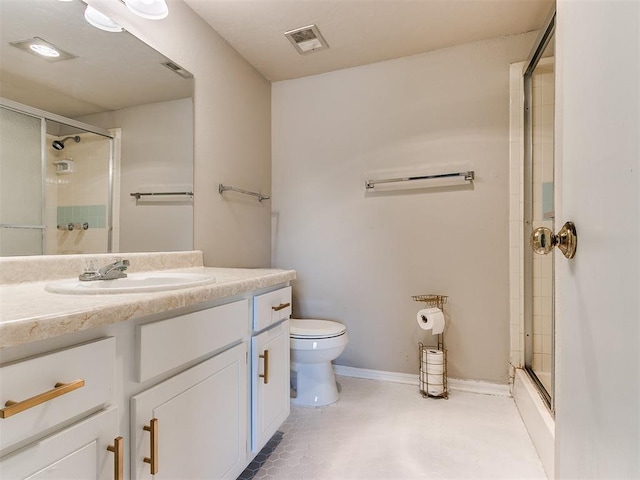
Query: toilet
[{"x": 314, "y": 344}]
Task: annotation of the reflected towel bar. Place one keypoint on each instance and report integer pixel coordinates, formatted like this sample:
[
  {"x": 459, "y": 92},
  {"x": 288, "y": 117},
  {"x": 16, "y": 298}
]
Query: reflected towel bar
[
  {"x": 224, "y": 188},
  {"x": 138, "y": 194},
  {"x": 466, "y": 176}
]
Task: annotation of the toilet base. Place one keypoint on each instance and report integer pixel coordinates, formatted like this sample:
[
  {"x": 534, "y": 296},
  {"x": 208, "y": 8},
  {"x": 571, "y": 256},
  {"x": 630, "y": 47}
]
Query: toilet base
[{"x": 315, "y": 384}]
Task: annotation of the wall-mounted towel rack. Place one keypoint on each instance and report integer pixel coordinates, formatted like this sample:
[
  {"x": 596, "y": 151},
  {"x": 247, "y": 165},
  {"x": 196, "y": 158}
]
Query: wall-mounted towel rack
[
  {"x": 139, "y": 194},
  {"x": 461, "y": 176},
  {"x": 223, "y": 188}
]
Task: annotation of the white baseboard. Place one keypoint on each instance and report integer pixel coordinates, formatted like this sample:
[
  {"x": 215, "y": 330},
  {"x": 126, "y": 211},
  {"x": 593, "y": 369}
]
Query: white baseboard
[{"x": 471, "y": 386}]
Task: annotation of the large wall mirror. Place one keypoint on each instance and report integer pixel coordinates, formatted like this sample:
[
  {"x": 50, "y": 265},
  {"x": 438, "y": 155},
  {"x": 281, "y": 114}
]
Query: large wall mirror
[{"x": 80, "y": 135}]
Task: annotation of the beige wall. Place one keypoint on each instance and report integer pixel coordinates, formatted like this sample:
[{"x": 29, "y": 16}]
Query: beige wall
[
  {"x": 232, "y": 139},
  {"x": 360, "y": 258},
  {"x": 156, "y": 156}
]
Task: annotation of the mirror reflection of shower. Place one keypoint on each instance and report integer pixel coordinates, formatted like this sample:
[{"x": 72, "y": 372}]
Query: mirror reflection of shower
[
  {"x": 77, "y": 189},
  {"x": 59, "y": 144},
  {"x": 62, "y": 173}
]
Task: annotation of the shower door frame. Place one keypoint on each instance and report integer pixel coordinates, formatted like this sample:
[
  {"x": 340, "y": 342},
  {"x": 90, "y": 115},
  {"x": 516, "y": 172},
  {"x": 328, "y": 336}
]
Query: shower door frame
[
  {"x": 44, "y": 116},
  {"x": 546, "y": 34}
]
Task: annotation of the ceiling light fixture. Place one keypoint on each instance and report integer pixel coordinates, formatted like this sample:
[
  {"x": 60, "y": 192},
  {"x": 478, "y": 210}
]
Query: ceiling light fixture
[
  {"x": 43, "y": 49},
  {"x": 307, "y": 39},
  {"x": 101, "y": 21},
  {"x": 150, "y": 9}
]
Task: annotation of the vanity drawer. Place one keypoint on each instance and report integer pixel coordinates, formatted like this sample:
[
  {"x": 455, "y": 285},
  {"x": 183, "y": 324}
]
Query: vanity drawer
[
  {"x": 271, "y": 307},
  {"x": 170, "y": 343},
  {"x": 53, "y": 388}
]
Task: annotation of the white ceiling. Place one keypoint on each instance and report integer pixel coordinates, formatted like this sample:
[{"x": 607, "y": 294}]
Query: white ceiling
[
  {"x": 358, "y": 32},
  {"x": 361, "y": 31}
]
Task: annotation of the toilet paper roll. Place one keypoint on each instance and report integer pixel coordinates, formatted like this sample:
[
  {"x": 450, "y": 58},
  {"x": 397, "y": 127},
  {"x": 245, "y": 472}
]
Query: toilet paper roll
[
  {"x": 431, "y": 319},
  {"x": 432, "y": 356},
  {"x": 435, "y": 385},
  {"x": 434, "y": 368}
]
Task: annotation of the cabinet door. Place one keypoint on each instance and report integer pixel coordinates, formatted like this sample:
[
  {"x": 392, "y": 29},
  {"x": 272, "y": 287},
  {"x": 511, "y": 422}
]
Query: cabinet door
[
  {"x": 200, "y": 422},
  {"x": 77, "y": 452},
  {"x": 270, "y": 383}
]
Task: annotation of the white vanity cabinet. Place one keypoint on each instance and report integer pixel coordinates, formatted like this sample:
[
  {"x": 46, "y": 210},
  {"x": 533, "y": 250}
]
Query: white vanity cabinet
[
  {"x": 192, "y": 392},
  {"x": 270, "y": 383},
  {"x": 42, "y": 398},
  {"x": 193, "y": 425},
  {"x": 89, "y": 449},
  {"x": 270, "y": 404}
]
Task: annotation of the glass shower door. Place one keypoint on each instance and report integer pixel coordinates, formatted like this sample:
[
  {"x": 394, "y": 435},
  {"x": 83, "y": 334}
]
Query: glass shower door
[
  {"x": 539, "y": 212},
  {"x": 21, "y": 184},
  {"x": 543, "y": 216}
]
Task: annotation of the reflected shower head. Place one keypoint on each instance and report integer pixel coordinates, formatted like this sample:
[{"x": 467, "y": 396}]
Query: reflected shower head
[{"x": 59, "y": 144}]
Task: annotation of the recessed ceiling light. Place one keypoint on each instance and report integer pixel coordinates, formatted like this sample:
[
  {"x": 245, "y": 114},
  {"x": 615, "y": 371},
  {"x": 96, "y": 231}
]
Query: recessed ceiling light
[
  {"x": 43, "y": 49},
  {"x": 307, "y": 39},
  {"x": 100, "y": 20},
  {"x": 151, "y": 9}
]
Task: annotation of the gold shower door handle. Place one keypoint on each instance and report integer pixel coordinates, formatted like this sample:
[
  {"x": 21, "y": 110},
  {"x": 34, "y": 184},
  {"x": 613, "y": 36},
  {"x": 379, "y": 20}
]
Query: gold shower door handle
[
  {"x": 281, "y": 307},
  {"x": 118, "y": 458},
  {"x": 152, "y": 428},
  {"x": 265, "y": 375},
  {"x": 59, "y": 389},
  {"x": 543, "y": 240}
]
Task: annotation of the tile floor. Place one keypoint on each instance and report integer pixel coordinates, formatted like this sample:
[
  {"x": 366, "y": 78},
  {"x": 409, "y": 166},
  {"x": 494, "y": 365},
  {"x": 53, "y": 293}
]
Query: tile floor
[{"x": 383, "y": 430}]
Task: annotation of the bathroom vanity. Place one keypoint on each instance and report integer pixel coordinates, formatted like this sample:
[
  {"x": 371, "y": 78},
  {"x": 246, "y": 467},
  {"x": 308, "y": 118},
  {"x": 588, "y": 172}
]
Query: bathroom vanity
[{"x": 178, "y": 383}]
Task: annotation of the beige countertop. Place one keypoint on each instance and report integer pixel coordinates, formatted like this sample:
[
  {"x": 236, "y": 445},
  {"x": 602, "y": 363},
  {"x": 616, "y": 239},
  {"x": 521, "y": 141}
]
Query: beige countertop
[{"x": 29, "y": 313}]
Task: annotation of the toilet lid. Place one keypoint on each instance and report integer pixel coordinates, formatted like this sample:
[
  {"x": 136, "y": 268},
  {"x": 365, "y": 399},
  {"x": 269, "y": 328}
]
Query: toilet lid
[{"x": 315, "y": 328}]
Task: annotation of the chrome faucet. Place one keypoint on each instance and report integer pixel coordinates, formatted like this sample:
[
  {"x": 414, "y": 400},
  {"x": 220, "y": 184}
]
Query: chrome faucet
[{"x": 108, "y": 272}]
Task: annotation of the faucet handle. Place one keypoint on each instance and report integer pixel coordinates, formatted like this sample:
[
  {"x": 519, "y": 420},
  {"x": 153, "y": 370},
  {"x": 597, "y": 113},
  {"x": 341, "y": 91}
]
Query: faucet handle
[{"x": 90, "y": 266}]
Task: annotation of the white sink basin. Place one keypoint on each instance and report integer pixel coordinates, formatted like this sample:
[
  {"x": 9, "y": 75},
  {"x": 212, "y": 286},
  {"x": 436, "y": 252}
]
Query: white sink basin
[{"x": 134, "y": 283}]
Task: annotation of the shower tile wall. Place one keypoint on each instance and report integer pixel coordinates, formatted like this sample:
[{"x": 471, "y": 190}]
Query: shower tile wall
[
  {"x": 543, "y": 100},
  {"x": 80, "y": 196},
  {"x": 543, "y": 214}
]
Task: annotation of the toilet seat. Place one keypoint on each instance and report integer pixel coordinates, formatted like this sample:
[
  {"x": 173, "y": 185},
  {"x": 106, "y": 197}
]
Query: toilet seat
[{"x": 315, "y": 329}]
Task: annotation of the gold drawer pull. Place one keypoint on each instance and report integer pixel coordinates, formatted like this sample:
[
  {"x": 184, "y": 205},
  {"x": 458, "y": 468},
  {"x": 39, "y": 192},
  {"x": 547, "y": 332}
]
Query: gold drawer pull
[
  {"x": 281, "y": 307},
  {"x": 11, "y": 407},
  {"x": 118, "y": 459},
  {"x": 265, "y": 355},
  {"x": 152, "y": 428}
]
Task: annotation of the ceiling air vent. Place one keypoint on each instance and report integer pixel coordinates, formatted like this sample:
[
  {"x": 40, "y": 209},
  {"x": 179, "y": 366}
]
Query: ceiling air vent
[
  {"x": 174, "y": 67},
  {"x": 307, "y": 39}
]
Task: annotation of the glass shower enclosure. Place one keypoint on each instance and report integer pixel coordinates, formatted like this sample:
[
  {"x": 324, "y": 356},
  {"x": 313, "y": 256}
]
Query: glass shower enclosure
[
  {"x": 56, "y": 184},
  {"x": 539, "y": 211}
]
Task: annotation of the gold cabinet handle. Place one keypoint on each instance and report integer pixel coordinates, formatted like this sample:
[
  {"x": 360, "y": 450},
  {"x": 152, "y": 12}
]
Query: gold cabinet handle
[
  {"x": 118, "y": 458},
  {"x": 152, "y": 428},
  {"x": 281, "y": 307},
  {"x": 265, "y": 375},
  {"x": 11, "y": 407}
]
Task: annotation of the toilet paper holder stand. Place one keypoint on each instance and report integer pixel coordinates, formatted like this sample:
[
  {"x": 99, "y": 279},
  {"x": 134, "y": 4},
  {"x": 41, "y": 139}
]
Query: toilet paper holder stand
[{"x": 433, "y": 368}]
